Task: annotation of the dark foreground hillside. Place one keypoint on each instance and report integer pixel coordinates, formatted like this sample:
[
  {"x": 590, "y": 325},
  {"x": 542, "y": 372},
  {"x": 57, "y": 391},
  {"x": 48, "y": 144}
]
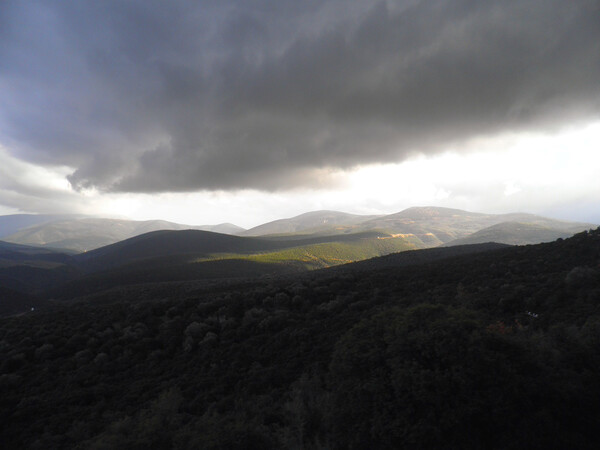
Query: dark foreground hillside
[{"x": 499, "y": 349}]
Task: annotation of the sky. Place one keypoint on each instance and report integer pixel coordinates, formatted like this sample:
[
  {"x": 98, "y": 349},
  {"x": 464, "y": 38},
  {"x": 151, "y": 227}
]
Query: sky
[{"x": 245, "y": 111}]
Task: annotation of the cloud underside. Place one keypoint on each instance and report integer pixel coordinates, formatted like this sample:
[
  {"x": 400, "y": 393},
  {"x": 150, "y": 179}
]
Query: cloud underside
[{"x": 181, "y": 96}]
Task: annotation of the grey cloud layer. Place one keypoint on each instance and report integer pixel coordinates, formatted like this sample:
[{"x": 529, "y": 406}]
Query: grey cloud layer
[{"x": 178, "y": 96}]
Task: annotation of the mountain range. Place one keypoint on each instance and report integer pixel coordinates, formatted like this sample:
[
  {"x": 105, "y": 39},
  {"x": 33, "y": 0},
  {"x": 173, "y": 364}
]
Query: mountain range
[
  {"x": 311, "y": 222},
  {"x": 424, "y": 226},
  {"x": 83, "y": 256},
  {"x": 12, "y": 223},
  {"x": 83, "y": 234}
]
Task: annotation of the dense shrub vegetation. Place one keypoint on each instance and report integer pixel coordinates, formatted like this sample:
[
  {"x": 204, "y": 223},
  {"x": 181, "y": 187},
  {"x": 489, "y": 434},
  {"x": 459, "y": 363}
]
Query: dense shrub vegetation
[{"x": 499, "y": 349}]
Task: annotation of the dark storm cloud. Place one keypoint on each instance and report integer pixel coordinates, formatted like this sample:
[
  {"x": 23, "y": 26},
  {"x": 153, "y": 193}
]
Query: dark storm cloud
[{"x": 177, "y": 96}]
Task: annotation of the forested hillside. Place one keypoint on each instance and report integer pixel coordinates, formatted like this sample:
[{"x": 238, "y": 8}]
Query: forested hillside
[{"x": 497, "y": 349}]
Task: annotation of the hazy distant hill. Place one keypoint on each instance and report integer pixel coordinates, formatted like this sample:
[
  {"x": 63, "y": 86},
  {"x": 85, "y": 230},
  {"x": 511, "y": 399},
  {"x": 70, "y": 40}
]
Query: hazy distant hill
[
  {"x": 513, "y": 233},
  {"x": 12, "y": 223},
  {"x": 422, "y": 226},
  {"x": 87, "y": 234},
  {"x": 226, "y": 228},
  {"x": 425, "y": 226},
  {"x": 435, "y": 226},
  {"x": 532, "y": 219},
  {"x": 309, "y": 222}
]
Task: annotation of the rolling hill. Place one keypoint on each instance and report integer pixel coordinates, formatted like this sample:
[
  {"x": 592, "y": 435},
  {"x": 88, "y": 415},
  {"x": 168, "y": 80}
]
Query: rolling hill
[
  {"x": 225, "y": 228},
  {"x": 436, "y": 226},
  {"x": 167, "y": 256},
  {"x": 513, "y": 233},
  {"x": 427, "y": 226},
  {"x": 165, "y": 247},
  {"x": 431, "y": 224},
  {"x": 90, "y": 233},
  {"x": 10, "y": 224},
  {"x": 170, "y": 243},
  {"x": 310, "y": 222},
  {"x": 175, "y": 255},
  {"x": 316, "y": 240},
  {"x": 560, "y": 225}
]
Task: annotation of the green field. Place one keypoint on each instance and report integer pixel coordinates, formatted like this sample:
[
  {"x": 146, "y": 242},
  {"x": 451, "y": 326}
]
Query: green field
[{"x": 317, "y": 256}]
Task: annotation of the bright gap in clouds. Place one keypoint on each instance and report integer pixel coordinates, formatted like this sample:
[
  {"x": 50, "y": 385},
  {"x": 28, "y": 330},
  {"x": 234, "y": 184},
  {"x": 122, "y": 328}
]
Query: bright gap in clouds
[
  {"x": 538, "y": 173},
  {"x": 552, "y": 174},
  {"x": 517, "y": 172}
]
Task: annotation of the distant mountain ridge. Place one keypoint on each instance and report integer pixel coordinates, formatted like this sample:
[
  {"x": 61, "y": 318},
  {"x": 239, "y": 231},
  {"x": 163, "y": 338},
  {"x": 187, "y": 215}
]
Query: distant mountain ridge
[
  {"x": 90, "y": 233},
  {"x": 437, "y": 226},
  {"x": 424, "y": 226},
  {"x": 512, "y": 233},
  {"x": 431, "y": 226},
  {"x": 313, "y": 221},
  {"x": 226, "y": 228},
  {"x": 160, "y": 251},
  {"x": 12, "y": 223}
]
